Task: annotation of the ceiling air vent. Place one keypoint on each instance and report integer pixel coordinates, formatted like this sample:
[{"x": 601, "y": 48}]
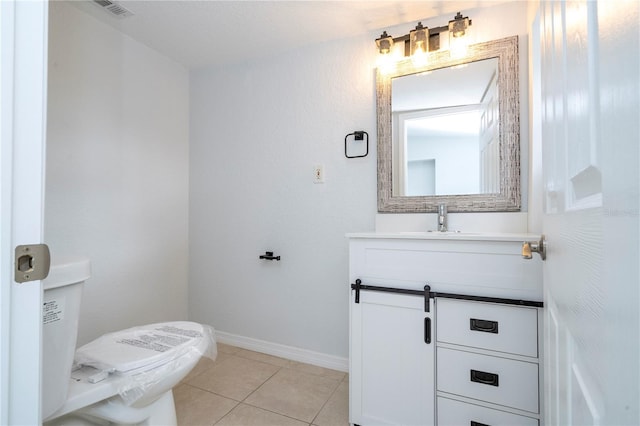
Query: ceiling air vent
[{"x": 114, "y": 8}]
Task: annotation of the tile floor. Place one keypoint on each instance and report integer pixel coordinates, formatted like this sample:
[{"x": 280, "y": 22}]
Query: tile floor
[{"x": 245, "y": 388}]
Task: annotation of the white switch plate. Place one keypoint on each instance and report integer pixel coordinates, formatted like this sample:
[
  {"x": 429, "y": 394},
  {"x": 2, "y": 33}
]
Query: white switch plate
[{"x": 318, "y": 173}]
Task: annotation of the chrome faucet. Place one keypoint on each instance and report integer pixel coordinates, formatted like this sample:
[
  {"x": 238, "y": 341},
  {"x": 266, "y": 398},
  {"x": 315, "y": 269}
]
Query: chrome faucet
[{"x": 442, "y": 217}]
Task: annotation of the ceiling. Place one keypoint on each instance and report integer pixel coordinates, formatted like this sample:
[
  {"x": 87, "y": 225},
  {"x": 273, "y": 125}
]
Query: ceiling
[
  {"x": 444, "y": 88},
  {"x": 212, "y": 33}
]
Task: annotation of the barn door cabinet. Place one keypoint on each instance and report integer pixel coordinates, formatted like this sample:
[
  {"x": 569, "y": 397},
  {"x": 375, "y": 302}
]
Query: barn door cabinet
[{"x": 444, "y": 330}]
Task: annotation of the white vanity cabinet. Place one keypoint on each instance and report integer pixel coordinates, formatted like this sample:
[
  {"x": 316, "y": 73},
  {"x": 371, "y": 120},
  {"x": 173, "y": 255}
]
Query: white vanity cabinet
[
  {"x": 488, "y": 366},
  {"x": 462, "y": 351},
  {"x": 393, "y": 360}
]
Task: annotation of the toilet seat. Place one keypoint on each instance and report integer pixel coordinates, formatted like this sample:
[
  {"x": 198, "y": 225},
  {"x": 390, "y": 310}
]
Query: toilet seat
[
  {"x": 139, "y": 349},
  {"x": 144, "y": 358}
]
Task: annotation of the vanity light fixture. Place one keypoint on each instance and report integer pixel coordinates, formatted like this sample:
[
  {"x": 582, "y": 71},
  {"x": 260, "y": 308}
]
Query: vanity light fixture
[
  {"x": 419, "y": 40},
  {"x": 419, "y": 44},
  {"x": 422, "y": 40},
  {"x": 384, "y": 43},
  {"x": 385, "y": 60},
  {"x": 459, "y": 25},
  {"x": 458, "y": 37}
]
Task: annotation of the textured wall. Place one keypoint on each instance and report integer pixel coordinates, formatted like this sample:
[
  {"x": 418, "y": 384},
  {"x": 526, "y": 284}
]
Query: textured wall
[
  {"x": 257, "y": 129},
  {"x": 117, "y": 171}
]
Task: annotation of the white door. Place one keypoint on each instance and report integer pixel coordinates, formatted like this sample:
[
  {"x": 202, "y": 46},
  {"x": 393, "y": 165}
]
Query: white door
[
  {"x": 590, "y": 138},
  {"x": 23, "y": 41}
]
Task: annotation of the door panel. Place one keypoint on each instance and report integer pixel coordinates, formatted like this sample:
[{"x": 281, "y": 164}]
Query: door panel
[
  {"x": 391, "y": 364},
  {"x": 589, "y": 97}
]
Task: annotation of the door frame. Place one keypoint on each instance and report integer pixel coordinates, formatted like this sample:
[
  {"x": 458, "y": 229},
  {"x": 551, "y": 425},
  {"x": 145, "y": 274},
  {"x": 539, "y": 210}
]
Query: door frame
[{"x": 23, "y": 87}]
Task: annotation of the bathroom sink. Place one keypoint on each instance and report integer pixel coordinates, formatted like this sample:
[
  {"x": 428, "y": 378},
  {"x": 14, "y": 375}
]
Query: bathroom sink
[
  {"x": 441, "y": 233},
  {"x": 454, "y": 232}
]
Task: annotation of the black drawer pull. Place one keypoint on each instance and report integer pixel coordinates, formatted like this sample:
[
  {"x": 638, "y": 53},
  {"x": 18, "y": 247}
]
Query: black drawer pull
[
  {"x": 478, "y": 424},
  {"x": 483, "y": 325},
  {"x": 427, "y": 330},
  {"x": 484, "y": 378}
]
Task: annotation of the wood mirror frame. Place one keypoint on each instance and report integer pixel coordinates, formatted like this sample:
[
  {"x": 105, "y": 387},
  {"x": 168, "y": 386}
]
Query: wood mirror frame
[{"x": 509, "y": 198}]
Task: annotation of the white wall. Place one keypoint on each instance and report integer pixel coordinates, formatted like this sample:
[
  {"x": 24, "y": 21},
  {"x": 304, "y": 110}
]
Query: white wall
[
  {"x": 117, "y": 171},
  {"x": 457, "y": 169},
  {"x": 257, "y": 129}
]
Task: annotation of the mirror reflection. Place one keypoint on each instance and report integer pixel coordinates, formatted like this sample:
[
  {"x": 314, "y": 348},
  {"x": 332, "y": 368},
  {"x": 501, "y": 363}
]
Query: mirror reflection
[
  {"x": 445, "y": 132},
  {"x": 449, "y": 131}
]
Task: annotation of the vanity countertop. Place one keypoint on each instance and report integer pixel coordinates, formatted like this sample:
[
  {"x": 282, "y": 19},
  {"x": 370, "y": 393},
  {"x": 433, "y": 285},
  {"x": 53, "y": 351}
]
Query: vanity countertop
[{"x": 449, "y": 235}]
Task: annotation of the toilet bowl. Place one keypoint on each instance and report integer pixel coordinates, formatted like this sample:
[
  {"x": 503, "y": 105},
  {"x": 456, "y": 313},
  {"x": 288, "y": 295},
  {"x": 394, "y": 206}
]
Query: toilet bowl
[{"x": 123, "y": 377}]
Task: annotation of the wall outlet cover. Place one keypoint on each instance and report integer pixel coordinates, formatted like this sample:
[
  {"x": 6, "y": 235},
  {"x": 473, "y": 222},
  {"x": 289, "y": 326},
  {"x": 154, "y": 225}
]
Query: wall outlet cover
[{"x": 318, "y": 173}]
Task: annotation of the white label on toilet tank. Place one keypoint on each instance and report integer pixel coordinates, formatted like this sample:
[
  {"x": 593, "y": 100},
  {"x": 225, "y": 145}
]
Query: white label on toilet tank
[{"x": 53, "y": 310}]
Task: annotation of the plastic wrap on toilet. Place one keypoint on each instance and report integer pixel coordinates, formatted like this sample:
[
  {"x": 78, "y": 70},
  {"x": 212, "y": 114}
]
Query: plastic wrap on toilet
[{"x": 148, "y": 357}]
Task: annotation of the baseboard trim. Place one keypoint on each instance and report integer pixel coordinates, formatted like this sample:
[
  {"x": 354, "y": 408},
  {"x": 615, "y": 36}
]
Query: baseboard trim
[{"x": 283, "y": 351}]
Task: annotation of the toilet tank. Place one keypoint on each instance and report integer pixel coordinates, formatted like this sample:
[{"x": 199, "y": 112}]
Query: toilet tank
[{"x": 60, "y": 314}]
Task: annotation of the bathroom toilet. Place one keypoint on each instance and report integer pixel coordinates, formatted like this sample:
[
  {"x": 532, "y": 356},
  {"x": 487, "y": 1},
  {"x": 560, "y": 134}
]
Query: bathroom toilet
[{"x": 125, "y": 377}]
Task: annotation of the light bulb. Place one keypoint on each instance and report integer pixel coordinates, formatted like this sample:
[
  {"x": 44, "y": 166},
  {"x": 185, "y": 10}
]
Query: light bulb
[
  {"x": 386, "y": 63},
  {"x": 420, "y": 58},
  {"x": 458, "y": 47}
]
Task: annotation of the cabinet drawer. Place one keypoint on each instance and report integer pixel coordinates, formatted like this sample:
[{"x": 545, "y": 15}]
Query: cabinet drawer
[
  {"x": 492, "y": 326},
  {"x": 457, "y": 413},
  {"x": 487, "y": 378}
]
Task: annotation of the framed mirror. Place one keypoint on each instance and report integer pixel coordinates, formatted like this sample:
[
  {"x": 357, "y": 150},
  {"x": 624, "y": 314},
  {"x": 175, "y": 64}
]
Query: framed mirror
[{"x": 449, "y": 132}]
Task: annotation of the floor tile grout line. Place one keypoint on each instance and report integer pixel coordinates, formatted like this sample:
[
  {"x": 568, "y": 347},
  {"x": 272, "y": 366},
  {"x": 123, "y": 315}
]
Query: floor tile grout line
[
  {"x": 244, "y": 401},
  {"x": 262, "y": 384},
  {"x": 326, "y": 402},
  {"x": 289, "y": 365},
  {"x": 213, "y": 393},
  {"x": 250, "y": 393},
  {"x": 258, "y": 360},
  {"x": 216, "y": 394},
  {"x": 275, "y": 412},
  {"x": 338, "y": 382},
  {"x": 228, "y": 397}
]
